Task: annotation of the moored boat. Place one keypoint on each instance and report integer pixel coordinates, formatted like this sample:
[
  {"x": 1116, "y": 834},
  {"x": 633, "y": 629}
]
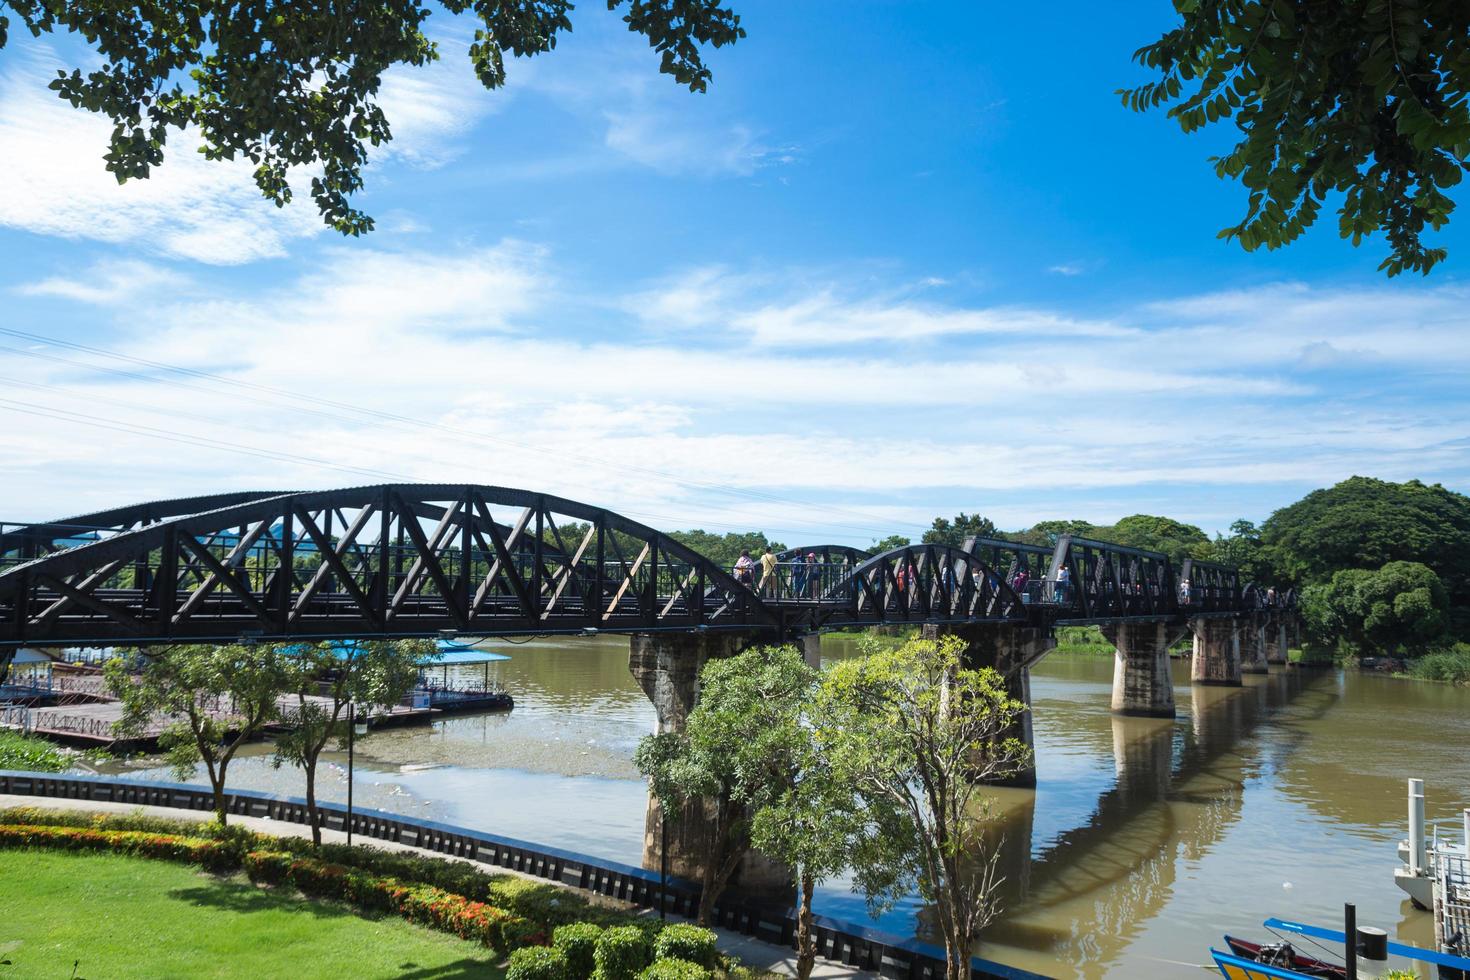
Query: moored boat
[{"x": 1283, "y": 954}]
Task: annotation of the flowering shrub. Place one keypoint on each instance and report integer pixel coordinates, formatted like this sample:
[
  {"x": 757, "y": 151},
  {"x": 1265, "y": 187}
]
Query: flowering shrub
[
  {"x": 167, "y": 847},
  {"x": 537, "y": 963},
  {"x": 423, "y": 904},
  {"x": 681, "y": 941}
]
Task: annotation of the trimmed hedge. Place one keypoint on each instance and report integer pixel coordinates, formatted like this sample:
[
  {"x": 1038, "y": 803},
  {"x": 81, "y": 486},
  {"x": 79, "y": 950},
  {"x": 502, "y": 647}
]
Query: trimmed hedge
[
  {"x": 671, "y": 968},
  {"x": 621, "y": 952},
  {"x": 537, "y": 963},
  {"x": 208, "y": 854},
  {"x": 681, "y": 941},
  {"x": 423, "y": 904},
  {"x": 579, "y": 942}
]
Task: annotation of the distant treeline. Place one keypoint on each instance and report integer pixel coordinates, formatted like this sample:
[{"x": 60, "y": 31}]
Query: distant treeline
[{"x": 1381, "y": 568}]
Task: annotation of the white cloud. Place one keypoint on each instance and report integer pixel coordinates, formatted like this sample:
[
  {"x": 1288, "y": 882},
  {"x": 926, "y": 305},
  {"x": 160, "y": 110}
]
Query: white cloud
[
  {"x": 672, "y": 144},
  {"x": 1066, "y": 269},
  {"x": 1030, "y": 423},
  {"x": 431, "y": 108},
  {"x": 808, "y": 311},
  {"x": 108, "y": 283},
  {"x": 190, "y": 207},
  {"x": 208, "y": 211}
]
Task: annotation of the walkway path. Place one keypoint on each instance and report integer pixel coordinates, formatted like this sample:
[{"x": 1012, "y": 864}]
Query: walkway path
[{"x": 752, "y": 952}]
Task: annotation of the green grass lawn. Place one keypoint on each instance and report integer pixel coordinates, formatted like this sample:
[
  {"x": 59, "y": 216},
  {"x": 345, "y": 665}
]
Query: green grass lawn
[{"x": 128, "y": 917}]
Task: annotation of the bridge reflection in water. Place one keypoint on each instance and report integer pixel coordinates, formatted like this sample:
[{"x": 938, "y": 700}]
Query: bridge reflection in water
[{"x": 1080, "y": 897}]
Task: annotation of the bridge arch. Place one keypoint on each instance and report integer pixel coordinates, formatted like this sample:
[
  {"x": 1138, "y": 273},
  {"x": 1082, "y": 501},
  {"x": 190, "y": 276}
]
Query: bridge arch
[
  {"x": 386, "y": 560},
  {"x": 827, "y": 554},
  {"x": 929, "y": 582},
  {"x": 23, "y": 542}
]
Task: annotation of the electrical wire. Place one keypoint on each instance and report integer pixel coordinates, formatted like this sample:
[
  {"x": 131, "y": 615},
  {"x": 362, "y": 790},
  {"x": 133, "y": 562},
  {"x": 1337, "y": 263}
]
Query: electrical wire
[{"x": 278, "y": 393}]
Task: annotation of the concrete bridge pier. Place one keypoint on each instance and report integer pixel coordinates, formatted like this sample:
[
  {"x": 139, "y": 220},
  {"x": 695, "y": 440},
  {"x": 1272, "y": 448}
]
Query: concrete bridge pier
[
  {"x": 1143, "y": 685},
  {"x": 1276, "y": 642},
  {"x": 1011, "y": 650},
  {"x": 1253, "y": 648},
  {"x": 811, "y": 650},
  {"x": 666, "y": 666},
  {"x": 1216, "y": 652}
]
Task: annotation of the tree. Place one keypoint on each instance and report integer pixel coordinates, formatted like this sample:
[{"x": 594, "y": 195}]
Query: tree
[
  {"x": 1400, "y": 609},
  {"x": 1367, "y": 523},
  {"x": 214, "y": 699},
  {"x": 295, "y": 84},
  {"x": 1045, "y": 533},
  {"x": 964, "y": 526},
  {"x": 738, "y": 752},
  {"x": 915, "y": 730},
  {"x": 889, "y": 543},
  {"x": 327, "y": 679},
  {"x": 1363, "y": 98},
  {"x": 1153, "y": 533},
  {"x": 724, "y": 549},
  {"x": 1242, "y": 550}
]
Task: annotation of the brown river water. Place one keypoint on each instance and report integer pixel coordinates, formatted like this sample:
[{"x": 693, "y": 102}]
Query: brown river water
[{"x": 1143, "y": 842}]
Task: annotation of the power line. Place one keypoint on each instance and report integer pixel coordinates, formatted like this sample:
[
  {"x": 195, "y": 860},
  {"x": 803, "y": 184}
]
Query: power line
[
  {"x": 231, "y": 445},
  {"x": 380, "y": 415},
  {"x": 152, "y": 432}
]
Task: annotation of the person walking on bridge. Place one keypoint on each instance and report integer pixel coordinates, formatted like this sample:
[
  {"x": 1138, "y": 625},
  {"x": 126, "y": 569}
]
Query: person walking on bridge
[
  {"x": 811, "y": 575},
  {"x": 768, "y": 574},
  {"x": 744, "y": 569}
]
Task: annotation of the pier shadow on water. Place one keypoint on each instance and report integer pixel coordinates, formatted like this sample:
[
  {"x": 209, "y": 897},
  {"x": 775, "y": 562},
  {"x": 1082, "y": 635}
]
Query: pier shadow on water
[{"x": 1158, "y": 798}]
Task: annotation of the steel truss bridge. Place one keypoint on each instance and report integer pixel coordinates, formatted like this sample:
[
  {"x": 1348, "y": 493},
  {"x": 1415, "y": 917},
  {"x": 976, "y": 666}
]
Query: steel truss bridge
[{"x": 403, "y": 560}]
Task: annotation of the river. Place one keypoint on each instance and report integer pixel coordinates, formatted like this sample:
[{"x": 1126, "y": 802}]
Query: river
[{"x": 1143, "y": 842}]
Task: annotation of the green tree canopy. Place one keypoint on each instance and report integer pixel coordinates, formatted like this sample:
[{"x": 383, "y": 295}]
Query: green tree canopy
[
  {"x": 741, "y": 749},
  {"x": 1367, "y": 523},
  {"x": 724, "y": 549},
  {"x": 286, "y": 84},
  {"x": 1362, "y": 98},
  {"x": 327, "y": 679},
  {"x": 1400, "y": 609},
  {"x": 210, "y": 699},
  {"x": 963, "y": 526},
  {"x": 881, "y": 545},
  {"x": 1174, "y": 538},
  {"x": 917, "y": 732}
]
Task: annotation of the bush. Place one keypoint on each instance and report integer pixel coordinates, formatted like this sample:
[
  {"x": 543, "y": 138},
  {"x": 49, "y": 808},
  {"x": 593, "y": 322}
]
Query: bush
[
  {"x": 423, "y": 904},
  {"x": 30, "y": 753},
  {"x": 620, "y": 953},
  {"x": 537, "y": 963},
  {"x": 187, "y": 850},
  {"x": 579, "y": 942},
  {"x": 681, "y": 941},
  {"x": 539, "y": 901},
  {"x": 1451, "y": 665},
  {"x": 675, "y": 969}
]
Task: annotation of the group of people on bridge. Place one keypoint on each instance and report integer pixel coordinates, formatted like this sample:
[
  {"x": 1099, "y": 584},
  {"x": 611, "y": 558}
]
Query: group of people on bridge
[{"x": 804, "y": 575}]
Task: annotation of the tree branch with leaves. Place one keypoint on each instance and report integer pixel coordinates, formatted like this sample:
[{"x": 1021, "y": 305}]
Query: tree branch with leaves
[
  {"x": 211, "y": 699},
  {"x": 1361, "y": 98},
  {"x": 327, "y": 678},
  {"x": 918, "y": 735},
  {"x": 294, "y": 85}
]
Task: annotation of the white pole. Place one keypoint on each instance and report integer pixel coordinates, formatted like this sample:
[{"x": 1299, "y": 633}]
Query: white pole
[
  {"x": 1467, "y": 835},
  {"x": 1417, "y": 862}
]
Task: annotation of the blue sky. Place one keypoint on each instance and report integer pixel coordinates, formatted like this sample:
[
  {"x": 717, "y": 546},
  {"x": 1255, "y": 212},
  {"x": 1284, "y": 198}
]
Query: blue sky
[{"x": 901, "y": 260}]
